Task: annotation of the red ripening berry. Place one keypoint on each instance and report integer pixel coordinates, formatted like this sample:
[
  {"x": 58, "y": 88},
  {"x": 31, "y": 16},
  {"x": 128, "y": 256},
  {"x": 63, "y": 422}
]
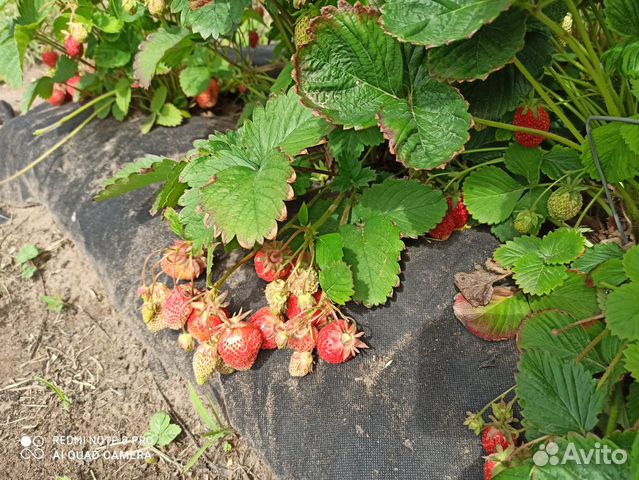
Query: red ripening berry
[
  {"x": 50, "y": 58},
  {"x": 254, "y": 39},
  {"x": 492, "y": 437},
  {"x": 58, "y": 97},
  {"x": 72, "y": 85},
  {"x": 73, "y": 47},
  {"x": 529, "y": 118}
]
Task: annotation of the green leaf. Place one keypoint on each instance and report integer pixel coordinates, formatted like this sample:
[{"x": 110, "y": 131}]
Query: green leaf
[
  {"x": 574, "y": 297},
  {"x": 13, "y": 46},
  {"x": 429, "y": 128},
  {"x": 26, "y": 253},
  {"x": 352, "y": 175},
  {"x": 329, "y": 248},
  {"x": 141, "y": 173},
  {"x": 631, "y": 263},
  {"x": 107, "y": 23},
  {"x": 610, "y": 272},
  {"x": 372, "y": 250},
  {"x": 193, "y": 219},
  {"x": 557, "y": 397},
  {"x": 153, "y": 49},
  {"x": 503, "y": 90},
  {"x": 32, "y": 11},
  {"x": 562, "y": 245},
  {"x": 246, "y": 201},
  {"x": 110, "y": 56},
  {"x": 433, "y": 23},
  {"x": 343, "y": 72},
  {"x": 491, "y": 194},
  {"x": 173, "y": 220},
  {"x": 194, "y": 80},
  {"x": 490, "y": 49},
  {"x": 65, "y": 69},
  {"x": 560, "y": 160},
  {"x": 618, "y": 159},
  {"x": 201, "y": 410},
  {"x": 169, "y": 116},
  {"x": 508, "y": 254},
  {"x": 413, "y": 207},
  {"x": 631, "y": 359},
  {"x": 159, "y": 97},
  {"x": 55, "y": 304},
  {"x": 162, "y": 432},
  {"x": 524, "y": 161},
  {"x": 42, "y": 87},
  {"x": 214, "y": 19},
  {"x": 168, "y": 435},
  {"x": 533, "y": 276},
  {"x": 538, "y": 333},
  {"x": 596, "y": 255},
  {"x": 623, "y": 16},
  {"x": 499, "y": 320},
  {"x": 284, "y": 80},
  {"x": 622, "y": 311},
  {"x": 351, "y": 143},
  {"x": 171, "y": 191},
  {"x": 336, "y": 280},
  {"x": 123, "y": 95}
]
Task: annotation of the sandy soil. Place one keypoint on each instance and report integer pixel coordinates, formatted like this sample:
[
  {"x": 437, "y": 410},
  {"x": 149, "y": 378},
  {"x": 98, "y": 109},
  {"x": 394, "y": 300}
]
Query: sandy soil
[
  {"x": 113, "y": 383},
  {"x": 14, "y": 96}
]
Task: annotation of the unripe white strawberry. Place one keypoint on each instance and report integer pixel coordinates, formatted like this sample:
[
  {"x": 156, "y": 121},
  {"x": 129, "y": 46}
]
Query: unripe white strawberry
[{"x": 301, "y": 364}]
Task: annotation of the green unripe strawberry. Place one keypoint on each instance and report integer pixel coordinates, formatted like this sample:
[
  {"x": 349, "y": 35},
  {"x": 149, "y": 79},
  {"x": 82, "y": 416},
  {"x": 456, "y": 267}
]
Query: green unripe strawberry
[
  {"x": 564, "y": 204},
  {"x": 526, "y": 222}
]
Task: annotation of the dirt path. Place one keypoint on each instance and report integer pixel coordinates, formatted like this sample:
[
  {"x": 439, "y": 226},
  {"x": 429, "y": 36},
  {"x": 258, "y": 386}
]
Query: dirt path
[{"x": 112, "y": 382}]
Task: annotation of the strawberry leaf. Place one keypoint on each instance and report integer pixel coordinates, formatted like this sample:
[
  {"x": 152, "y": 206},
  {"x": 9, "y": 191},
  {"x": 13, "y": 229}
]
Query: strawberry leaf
[
  {"x": 622, "y": 311},
  {"x": 413, "y": 207},
  {"x": 329, "y": 249},
  {"x": 343, "y": 72},
  {"x": 631, "y": 263},
  {"x": 336, "y": 280},
  {"x": 139, "y": 174},
  {"x": 491, "y": 194},
  {"x": 562, "y": 246},
  {"x": 433, "y": 23},
  {"x": 153, "y": 49},
  {"x": 596, "y": 255},
  {"x": 557, "y": 397},
  {"x": 194, "y": 80},
  {"x": 372, "y": 250},
  {"x": 508, "y": 254},
  {"x": 533, "y": 276},
  {"x": 524, "y": 161},
  {"x": 617, "y": 152},
  {"x": 246, "y": 201},
  {"x": 574, "y": 297},
  {"x": 214, "y": 19},
  {"x": 631, "y": 359},
  {"x": 490, "y": 49},
  {"x": 498, "y": 320}
]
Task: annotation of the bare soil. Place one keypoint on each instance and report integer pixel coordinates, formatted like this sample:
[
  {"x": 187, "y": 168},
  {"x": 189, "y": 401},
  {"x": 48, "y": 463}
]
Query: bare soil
[{"x": 114, "y": 384}]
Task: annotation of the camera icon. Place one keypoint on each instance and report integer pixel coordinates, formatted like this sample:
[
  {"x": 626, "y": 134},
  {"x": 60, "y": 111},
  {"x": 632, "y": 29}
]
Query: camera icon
[{"x": 32, "y": 447}]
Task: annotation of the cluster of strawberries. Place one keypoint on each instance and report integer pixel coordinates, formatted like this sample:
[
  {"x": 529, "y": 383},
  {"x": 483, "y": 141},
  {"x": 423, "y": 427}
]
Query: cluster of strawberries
[
  {"x": 455, "y": 219},
  {"x": 63, "y": 92},
  {"x": 298, "y": 316},
  {"x": 498, "y": 437}
]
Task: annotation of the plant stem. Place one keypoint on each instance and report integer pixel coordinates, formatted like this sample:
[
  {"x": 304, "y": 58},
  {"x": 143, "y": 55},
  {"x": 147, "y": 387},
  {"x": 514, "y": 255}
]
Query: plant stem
[
  {"x": 559, "y": 331},
  {"x": 484, "y": 150},
  {"x": 615, "y": 405},
  {"x": 43, "y": 157},
  {"x": 329, "y": 211},
  {"x": 549, "y": 102},
  {"x": 313, "y": 170},
  {"x": 247, "y": 258},
  {"x": 74, "y": 114},
  {"x": 612, "y": 366},
  {"x": 589, "y": 348},
  {"x": 588, "y": 207},
  {"x": 541, "y": 133}
]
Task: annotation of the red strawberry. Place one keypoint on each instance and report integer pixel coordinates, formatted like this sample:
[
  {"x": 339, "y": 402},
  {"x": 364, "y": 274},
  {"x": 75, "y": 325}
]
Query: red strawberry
[
  {"x": 72, "y": 85},
  {"x": 444, "y": 230},
  {"x": 459, "y": 213},
  {"x": 270, "y": 261},
  {"x": 260, "y": 10},
  {"x": 492, "y": 437},
  {"x": 254, "y": 39},
  {"x": 50, "y": 58},
  {"x": 207, "y": 315},
  {"x": 339, "y": 342},
  {"x": 531, "y": 118},
  {"x": 489, "y": 466},
  {"x": 303, "y": 303},
  {"x": 58, "y": 97},
  {"x": 208, "y": 98},
  {"x": 240, "y": 343},
  {"x": 269, "y": 324},
  {"x": 301, "y": 338},
  {"x": 242, "y": 89},
  {"x": 177, "y": 307},
  {"x": 73, "y": 47}
]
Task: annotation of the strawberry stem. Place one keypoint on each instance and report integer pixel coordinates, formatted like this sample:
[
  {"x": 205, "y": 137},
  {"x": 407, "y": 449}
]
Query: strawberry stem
[{"x": 541, "y": 133}]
